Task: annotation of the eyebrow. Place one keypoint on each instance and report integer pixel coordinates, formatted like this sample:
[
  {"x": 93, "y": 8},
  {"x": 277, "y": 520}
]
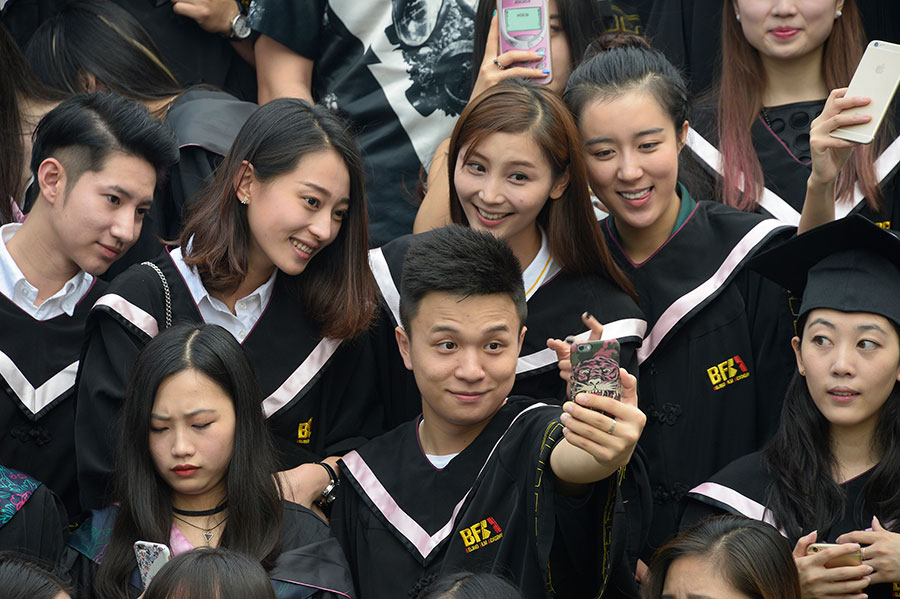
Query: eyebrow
[
  {"x": 318, "y": 188},
  {"x": 445, "y": 328},
  {"x": 477, "y": 154},
  {"x": 598, "y": 140},
  {"x": 862, "y": 327},
  {"x": 188, "y": 415}
]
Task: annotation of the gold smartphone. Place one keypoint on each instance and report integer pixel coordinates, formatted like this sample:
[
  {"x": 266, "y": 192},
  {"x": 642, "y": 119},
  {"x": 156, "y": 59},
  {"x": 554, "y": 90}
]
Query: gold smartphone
[
  {"x": 876, "y": 77},
  {"x": 851, "y": 559}
]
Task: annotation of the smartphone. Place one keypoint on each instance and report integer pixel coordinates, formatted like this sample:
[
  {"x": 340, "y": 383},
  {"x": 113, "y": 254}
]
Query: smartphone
[
  {"x": 595, "y": 368},
  {"x": 851, "y": 559},
  {"x": 876, "y": 77},
  {"x": 525, "y": 25},
  {"x": 150, "y": 558}
]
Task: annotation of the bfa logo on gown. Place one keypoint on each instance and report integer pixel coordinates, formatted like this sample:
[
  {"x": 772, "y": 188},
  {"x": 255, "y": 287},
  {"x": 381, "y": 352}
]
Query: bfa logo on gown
[
  {"x": 481, "y": 534},
  {"x": 304, "y": 432},
  {"x": 728, "y": 372}
]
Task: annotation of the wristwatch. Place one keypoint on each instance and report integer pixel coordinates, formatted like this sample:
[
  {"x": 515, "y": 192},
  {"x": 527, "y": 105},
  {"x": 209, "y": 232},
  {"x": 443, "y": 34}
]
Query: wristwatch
[
  {"x": 329, "y": 494},
  {"x": 240, "y": 29}
]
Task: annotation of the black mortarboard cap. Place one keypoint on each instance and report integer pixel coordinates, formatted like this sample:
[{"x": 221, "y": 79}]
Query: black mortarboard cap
[{"x": 850, "y": 265}]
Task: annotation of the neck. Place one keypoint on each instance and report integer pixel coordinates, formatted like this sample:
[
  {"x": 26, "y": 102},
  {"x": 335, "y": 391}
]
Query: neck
[
  {"x": 160, "y": 108},
  {"x": 40, "y": 259},
  {"x": 201, "y": 502},
  {"x": 853, "y": 449},
  {"x": 795, "y": 80},
  {"x": 640, "y": 243},
  {"x": 439, "y": 437},
  {"x": 526, "y": 245},
  {"x": 258, "y": 273}
]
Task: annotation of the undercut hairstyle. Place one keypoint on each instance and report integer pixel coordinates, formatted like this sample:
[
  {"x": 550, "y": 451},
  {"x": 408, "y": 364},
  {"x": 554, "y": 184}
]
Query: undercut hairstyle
[
  {"x": 574, "y": 235},
  {"x": 462, "y": 262},
  {"x": 336, "y": 288},
  {"x": 211, "y": 573},
  {"x": 803, "y": 494},
  {"x": 101, "y": 39},
  {"x": 144, "y": 498},
  {"x": 740, "y": 90},
  {"x": 751, "y": 556},
  {"x": 468, "y": 585},
  {"x": 83, "y": 131},
  {"x": 22, "y": 578}
]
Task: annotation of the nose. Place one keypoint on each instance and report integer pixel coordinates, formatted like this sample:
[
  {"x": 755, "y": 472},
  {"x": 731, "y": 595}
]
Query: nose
[
  {"x": 629, "y": 167},
  {"x": 321, "y": 225},
  {"x": 468, "y": 366},
  {"x": 125, "y": 227},
  {"x": 492, "y": 194},
  {"x": 785, "y": 7},
  {"x": 843, "y": 360},
  {"x": 181, "y": 444}
]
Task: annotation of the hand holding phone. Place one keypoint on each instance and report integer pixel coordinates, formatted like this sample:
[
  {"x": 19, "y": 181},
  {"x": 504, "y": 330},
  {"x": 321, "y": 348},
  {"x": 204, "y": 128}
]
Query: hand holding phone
[
  {"x": 876, "y": 77},
  {"x": 595, "y": 368},
  {"x": 151, "y": 557},
  {"x": 525, "y": 25},
  {"x": 849, "y": 559}
]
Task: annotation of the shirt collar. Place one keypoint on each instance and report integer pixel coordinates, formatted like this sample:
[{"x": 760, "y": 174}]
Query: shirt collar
[{"x": 542, "y": 269}]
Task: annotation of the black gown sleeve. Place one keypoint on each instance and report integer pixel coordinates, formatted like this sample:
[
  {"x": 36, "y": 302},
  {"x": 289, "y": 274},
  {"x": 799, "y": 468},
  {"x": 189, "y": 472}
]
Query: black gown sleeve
[{"x": 39, "y": 529}]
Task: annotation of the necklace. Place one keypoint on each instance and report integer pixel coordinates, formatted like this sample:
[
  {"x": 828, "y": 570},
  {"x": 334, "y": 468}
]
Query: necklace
[
  {"x": 765, "y": 116},
  {"x": 207, "y": 532},
  {"x": 210, "y": 512}
]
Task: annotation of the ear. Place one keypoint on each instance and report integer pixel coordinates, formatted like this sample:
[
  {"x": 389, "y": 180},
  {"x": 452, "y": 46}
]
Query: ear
[
  {"x": 562, "y": 182},
  {"x": 682, "y": 135},
  {"x": 88, "y": 83},
  {"x": 522, "y": 338},
  {"x": 244, "y": 181},
  {"x": 51, "y": 179},
  {"x": 737, "y": 11},
  {"x": 840, "y": 6},
  {"x": 795, "y": 343},
  {"x": 403, "y": 345}
]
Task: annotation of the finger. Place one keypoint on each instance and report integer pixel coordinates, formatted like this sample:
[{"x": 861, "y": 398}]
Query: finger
[
  {"x": 803, "y": 544},
  {"x": 599, "y": 411},
  {"x": 865, "y": 537},
  {"x": 561, "y": 348},
  {"x": 514, "y": 57},
  {"x": 628, "y": 387},
  {"x": 517, "y": 73},
  {"x": 594, "y": 325},
  {"x": 492, "y": 46},
  {"x": 876, "y": 525}
]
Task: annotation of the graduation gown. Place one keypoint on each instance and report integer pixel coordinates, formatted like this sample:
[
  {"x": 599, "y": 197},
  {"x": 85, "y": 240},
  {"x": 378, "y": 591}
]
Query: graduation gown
[
  {"x": 493, "y": 508},
  {"x": 311, "y": 565},
  {"x": 741, "y": 488},
  {"x": 786, "y": 165},
  {"x": 717, "y": 358},
  {"x": 33, "y": 520},
  {"x": 38, "y": 364},
  {"x": 205, "y": 122},
  {"x": 317, "y": 392},
  {"x": 554, "y": 310}
]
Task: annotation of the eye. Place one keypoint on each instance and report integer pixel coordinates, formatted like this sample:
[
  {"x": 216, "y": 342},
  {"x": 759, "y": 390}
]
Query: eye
[
  {"x": 158, "y": 429},
  {"x": 202, "y": 426},
  {"x": 868, "y": 344},
  {"x": 340, "y": 215},
  {"x": 603, "y": 154},
  {"x": 649, "y": 145},
  {"x": 447, "y": 345},
  {"x": 494, "y": 346},
  {"x": 475, "y": 167},
  {"x": 142, "y": 212},
  {"x": 113, "y": 199},
  {"x": 519, "y": 177},
  {"x": 821, "y": 341},
  {"x": 311, "y": 201}
]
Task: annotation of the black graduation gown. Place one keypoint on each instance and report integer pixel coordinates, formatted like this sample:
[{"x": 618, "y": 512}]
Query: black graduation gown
[
  {"x": 717, "y": 358},
  {"x": 786, "y": 167},
  {"x": 741, "y": 488},
  {"x": 493, "y": 508},
  {"x": 205, "y": 122},
  {"x": 554, "y": 310},
  {"x": 38, "y": 364},
  {"x": 311, "y": 564},
  {"x": 318, "y": 397},
  {"x": 33, "y": 520}
]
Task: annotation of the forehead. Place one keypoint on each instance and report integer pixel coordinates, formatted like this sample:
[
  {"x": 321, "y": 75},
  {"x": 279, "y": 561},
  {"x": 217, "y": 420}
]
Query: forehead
[
  {"x": 128, "y": 172},
  {"x": 633, "y": 111},
  {"x": 501, "y": 146},
  {"x": 849, "y": 319},
  {"x": 321, "y": 170},
  {"x": 190, "y": 390},
  {"x": 472, "y": 315}
]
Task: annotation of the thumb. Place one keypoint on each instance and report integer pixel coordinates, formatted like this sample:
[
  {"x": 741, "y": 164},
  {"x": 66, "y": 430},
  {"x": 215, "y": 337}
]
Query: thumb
[
  {"x": 561, "y": 348},
  {"x": 628, "y": 384},
  {"x": 876, "y": 524},
  {"x": 492, "y": 46},
  {"x": 803, "y": 544}
]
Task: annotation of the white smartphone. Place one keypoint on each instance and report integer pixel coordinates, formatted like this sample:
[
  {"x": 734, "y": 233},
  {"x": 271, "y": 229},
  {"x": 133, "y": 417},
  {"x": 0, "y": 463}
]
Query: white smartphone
[
  {"x": 525, "y": 25},
  {"x": 150, "y": 558},
  {"x": 876, "y": 77}
]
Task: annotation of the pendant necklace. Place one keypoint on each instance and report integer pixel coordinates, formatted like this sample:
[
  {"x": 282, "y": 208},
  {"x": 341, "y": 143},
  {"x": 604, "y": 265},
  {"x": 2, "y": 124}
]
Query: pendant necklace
[{"x": 207, "y": 532}]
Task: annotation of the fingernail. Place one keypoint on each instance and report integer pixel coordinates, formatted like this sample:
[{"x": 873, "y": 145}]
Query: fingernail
[
  {"x": 581, "y": 398},
  {"x": 541, "y": 52},
  {"x": 871, "y": 569},
  {"x": 546, "y": 71},
  {"x": 568, "y": 406},
  {"x": 495, "y": 13},
  {"x": 570, "y": 339},
  {"x": 564, "y": 418}
]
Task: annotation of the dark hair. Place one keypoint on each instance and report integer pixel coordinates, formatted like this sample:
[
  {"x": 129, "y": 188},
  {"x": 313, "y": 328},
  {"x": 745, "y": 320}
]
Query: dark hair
[
  {"x": 752, "y": 556},
  {"x": 803, "y": 494},
  {"x": 573, "y": 233},
  {"x": 462, "y": 262},
  {"x": 102, "y": 39},
  {"x": 337, "y": 288},
  {"x": 18, "y": 86},
  {"x": 211, "y": 573},
  {"x": 740, "y": 99},
  {"x": 85, "y": 129},
  {"x": 145, "y": 507},
  {"x": 468, "y": 585},
  {"x": 580, "y": 20},
  {"x": 22, "y": 578}
]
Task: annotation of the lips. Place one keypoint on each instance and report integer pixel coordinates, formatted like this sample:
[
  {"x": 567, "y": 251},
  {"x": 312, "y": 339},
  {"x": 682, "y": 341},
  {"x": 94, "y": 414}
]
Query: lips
[
  {"x": 784, "y": 32},
  {"x": 111, "y": 252},
  {"x": 185, "y": 469},
  {"x": 302, "y": 248},
  {"x": 490, "y": 219},
  {"x": 636, "y": 197},
  {"x": 468, "y": 396},
  {"x": 842, "y": 394}
]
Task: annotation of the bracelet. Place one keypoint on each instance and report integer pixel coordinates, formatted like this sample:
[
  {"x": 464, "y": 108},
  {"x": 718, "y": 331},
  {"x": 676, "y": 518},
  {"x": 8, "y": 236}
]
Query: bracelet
[{"x": 329, "y": 494}]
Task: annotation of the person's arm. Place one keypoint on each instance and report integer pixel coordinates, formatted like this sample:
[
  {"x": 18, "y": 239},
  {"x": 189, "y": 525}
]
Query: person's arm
[
  {"x": 434, "y": 211},
  {"x": 215, "y": 16},
  {"x": 281, "y": 72},
  {"x": 881, "y": 551},
  {"x": 848, "y": 582},
  {"x": 829, "y": 155}
]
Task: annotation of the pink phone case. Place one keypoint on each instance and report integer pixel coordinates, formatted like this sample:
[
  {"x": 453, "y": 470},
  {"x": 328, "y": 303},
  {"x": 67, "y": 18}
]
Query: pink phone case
[
  {"x": 595, "y": 368},
  {"x": 525, "y": 25},
  {"x": 150, "y": 558}
]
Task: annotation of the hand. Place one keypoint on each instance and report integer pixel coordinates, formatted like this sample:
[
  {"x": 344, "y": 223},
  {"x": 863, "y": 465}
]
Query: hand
[
  {"x": 490, "y": 74},
  {"x": 214, "y": 16},
  {"x": 846, "y": 582},
  {"x": 605, "y": 428},
  {"x": 564, "y": 348},
  {"x": 829, "y": 154},
  {"x": 641, "y": 571},
  {"x": 881, "y": 551},
  {"x": 305, "y": 483}
]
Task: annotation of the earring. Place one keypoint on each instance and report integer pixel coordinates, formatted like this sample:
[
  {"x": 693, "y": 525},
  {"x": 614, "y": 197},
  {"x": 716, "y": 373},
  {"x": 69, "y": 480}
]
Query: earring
[
  {"x": 838, "y": 14},
  {"x": 245, "y": 199},
  {"x": 737, "y": 16}
]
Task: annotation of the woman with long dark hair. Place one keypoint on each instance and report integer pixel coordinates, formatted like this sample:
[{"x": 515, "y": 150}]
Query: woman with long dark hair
[
  {"x": 276, "y": 253},
  {"x": 196, "y": 468},
  {"x": 780, "y": 62},
  {"x": 727, "y": 557},
  {"x": 211, "y": 573},
  {"x": 831, "y": 473}
]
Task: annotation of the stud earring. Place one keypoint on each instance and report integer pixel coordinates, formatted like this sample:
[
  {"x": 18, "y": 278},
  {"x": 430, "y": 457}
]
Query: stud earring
[
  {"x": 838, "y": 14},
  {"x": 245, "y": 199},
  {"x": 738, "y": 17}
]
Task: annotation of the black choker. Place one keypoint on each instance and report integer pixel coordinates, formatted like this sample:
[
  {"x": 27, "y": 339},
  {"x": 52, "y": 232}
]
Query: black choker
[{"x": 219, "y": 508}]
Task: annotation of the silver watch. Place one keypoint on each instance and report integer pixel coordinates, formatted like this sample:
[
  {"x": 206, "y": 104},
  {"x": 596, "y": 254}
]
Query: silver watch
[{"x": 240, "y": 29}]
